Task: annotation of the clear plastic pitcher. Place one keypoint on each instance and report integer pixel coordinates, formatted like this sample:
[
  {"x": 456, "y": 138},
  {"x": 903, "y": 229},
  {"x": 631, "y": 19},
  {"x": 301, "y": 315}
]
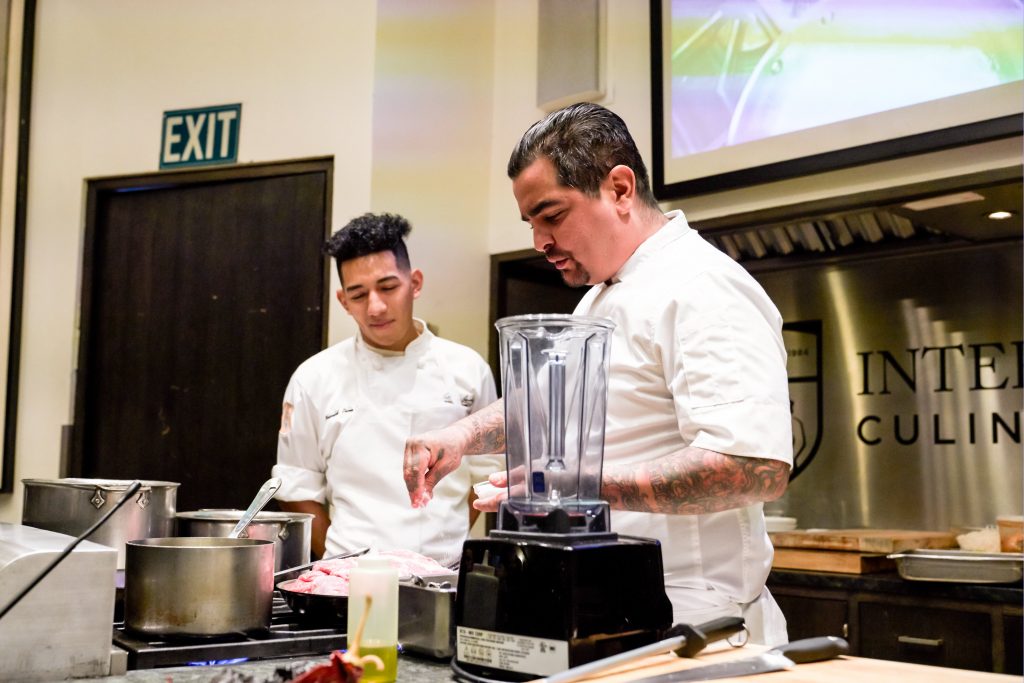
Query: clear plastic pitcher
[{"x": 554, "y": 373}]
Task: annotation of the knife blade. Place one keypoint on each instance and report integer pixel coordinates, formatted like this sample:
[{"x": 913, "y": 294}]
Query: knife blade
[
  {"x": 686, "y": 641},
  {"x": 783, "y": 657}
]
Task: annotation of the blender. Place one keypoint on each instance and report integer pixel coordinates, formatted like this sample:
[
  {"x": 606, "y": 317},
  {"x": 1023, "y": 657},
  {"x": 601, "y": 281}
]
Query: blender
[{"x": 552, "y": 586}]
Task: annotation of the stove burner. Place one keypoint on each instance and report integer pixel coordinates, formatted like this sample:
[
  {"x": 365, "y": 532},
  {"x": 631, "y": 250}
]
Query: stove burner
[
  {"x": 288, "y": 636},
  {"x": 220, "y": 662}
]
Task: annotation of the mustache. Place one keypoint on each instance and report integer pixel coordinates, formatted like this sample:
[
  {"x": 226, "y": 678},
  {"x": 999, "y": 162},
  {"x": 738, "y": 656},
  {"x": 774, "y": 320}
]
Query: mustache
[{"x": 555, "y": 255}]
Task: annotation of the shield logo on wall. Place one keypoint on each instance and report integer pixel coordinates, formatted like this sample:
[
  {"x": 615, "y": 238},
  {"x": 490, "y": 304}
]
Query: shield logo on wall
[{"x": 803, "y": 350}]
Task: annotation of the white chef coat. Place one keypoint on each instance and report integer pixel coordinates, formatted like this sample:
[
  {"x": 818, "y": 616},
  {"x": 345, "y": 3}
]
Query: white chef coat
[
  {"x": 697, "y": 359},
  {"x": 353, "y": 407}
]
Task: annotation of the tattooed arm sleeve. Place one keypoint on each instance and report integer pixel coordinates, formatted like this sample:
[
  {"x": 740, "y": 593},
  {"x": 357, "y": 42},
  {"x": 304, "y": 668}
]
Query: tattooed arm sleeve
[{"x": 694, "y": 481}]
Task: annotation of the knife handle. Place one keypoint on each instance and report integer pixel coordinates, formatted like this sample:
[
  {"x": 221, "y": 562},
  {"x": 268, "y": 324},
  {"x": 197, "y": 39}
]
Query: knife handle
[
  {"x": 814, "y": 649},
  {"x": 718, "y": 629},
  {"x": 697, "y": 637}
]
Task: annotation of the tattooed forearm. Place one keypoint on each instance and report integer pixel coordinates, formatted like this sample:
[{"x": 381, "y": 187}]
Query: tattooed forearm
[
  {"x": 485, "y": 429},
  {"x": 622, "y": 493},
  {"x": 694, "y": 481}
]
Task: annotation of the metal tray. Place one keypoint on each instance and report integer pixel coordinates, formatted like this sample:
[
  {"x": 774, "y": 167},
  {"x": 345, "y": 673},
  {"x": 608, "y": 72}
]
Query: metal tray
[{"x": 959, "y": 566}]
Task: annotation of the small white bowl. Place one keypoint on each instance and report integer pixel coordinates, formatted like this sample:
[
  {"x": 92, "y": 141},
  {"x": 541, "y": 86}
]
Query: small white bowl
[{"x": 486, "y": 489}]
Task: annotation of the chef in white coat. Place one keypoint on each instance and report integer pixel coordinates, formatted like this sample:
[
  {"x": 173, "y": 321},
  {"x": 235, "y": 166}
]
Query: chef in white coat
[
  {"x": 349, "y": 409},
  {"x": 698, "y": 430}
]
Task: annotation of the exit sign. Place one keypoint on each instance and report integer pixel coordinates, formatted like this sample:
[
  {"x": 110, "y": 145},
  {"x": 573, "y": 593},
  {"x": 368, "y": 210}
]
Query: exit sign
[{"x": 200, "y": 137}]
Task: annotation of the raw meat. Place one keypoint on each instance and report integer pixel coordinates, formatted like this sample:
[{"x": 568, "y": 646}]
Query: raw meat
[{"x": 330, "y": 577}]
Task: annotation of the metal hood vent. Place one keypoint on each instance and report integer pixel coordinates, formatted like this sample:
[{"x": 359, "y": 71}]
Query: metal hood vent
[
  {"x": 952, "y": 213},
  {"x": 822, "y": 236}
]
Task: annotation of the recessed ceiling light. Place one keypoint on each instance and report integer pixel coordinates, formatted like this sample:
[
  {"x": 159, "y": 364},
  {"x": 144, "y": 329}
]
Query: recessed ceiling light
[{"x": 1000, "y": 215}]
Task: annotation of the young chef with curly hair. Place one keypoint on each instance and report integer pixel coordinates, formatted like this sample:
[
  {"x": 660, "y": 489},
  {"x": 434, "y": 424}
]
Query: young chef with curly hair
[{"x": 349, "y": 409}]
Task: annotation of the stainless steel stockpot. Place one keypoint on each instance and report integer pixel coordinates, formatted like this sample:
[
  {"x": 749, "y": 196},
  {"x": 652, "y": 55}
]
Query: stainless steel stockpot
[
  {"x": 197, "y": 586},
  {"x": 70, "y": 506},
  {"x": 290, "y": 531}
]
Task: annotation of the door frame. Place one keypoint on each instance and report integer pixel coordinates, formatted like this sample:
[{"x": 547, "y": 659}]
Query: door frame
[{"x": 73, "y": 460}]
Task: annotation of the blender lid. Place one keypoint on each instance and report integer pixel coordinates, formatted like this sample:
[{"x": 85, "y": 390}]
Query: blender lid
[{"x": 539, "y": 319}]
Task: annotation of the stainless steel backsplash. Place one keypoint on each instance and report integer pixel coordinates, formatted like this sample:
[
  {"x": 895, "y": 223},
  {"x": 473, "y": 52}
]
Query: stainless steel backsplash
[{"x": 905, "y": 377}]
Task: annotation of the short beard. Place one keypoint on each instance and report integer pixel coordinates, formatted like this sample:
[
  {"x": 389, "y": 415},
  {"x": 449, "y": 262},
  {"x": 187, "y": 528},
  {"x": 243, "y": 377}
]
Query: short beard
[{"x": 578, "y": 277}]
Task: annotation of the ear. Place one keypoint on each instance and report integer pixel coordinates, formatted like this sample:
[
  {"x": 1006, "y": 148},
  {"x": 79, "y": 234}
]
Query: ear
[
  {"x": 342, "y": 299},
  {"x": 416, "y": 278},
  {"x": 620, "y": 183}
]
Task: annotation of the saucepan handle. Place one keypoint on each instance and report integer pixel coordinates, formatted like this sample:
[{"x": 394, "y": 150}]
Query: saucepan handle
[{"x": 339, "y": 556}]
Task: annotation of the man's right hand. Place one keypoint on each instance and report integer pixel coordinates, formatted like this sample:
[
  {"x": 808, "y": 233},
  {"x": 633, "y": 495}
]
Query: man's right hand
[{"x": 429, "y": 457}]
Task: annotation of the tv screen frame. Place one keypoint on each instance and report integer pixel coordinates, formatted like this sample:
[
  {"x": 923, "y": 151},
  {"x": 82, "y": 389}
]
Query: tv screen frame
[{"x": 718, "y": 169}]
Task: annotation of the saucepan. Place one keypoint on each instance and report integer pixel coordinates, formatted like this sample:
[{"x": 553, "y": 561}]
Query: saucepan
[
  {"x": 198, "y": 586},
  {"x": 290, "y": 531},
  {"x": 201, "y": 586},
  {"x": 70, "y": 506}
]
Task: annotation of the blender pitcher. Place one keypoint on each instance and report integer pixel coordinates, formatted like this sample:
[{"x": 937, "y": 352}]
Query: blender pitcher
[{"x": 554, "y": 372}]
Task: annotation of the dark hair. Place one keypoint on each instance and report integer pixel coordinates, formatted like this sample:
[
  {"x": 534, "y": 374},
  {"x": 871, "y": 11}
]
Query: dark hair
[
  {"x": 584, "y": 141},
  {"x": 369, "y": 234}
]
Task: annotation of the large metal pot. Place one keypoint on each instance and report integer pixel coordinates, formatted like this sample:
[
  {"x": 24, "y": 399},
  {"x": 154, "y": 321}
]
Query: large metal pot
[
  {"x": 290, "y": 531},
  {"x": 71, "y": 506},
  {"x": 189, "y": 586}
]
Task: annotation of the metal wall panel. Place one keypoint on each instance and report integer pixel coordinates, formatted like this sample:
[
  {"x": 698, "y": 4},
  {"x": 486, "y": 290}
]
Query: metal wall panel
[{"x": 905, "y": 376}]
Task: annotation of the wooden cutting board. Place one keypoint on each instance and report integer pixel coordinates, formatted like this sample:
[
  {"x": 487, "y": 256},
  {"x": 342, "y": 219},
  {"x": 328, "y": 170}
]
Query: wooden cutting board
[
  {"x": 863, "y": 540},
  {"x": 837, "y": 561}
]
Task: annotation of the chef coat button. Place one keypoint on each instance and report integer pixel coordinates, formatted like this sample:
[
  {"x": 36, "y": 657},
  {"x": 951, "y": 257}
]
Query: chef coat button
[{"x": 420, "y": 364}]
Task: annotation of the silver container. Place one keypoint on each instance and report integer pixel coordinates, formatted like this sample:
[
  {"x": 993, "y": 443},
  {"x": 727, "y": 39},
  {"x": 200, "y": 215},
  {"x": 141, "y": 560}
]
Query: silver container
[
  {"x": 71, "y": 506},
  {"x": 290, "y": 531},
  {"x": 425, "y": 623},
  {"x": 190, "y": 586},
  {"x": 959, "y": 566}
]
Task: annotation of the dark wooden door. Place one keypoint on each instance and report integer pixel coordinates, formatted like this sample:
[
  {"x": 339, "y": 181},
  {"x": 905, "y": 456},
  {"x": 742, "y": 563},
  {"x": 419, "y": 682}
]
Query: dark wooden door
[
  {"x": 201, "y": 293},
  {"x": 524, "y": 283}
]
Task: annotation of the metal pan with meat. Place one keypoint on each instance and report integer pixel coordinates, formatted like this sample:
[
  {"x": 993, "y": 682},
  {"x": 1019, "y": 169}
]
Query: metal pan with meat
[{"x": 320, "y": 594}]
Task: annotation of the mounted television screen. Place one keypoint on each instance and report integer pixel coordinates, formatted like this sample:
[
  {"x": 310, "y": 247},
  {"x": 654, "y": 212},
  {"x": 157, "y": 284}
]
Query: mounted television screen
[{"x": 750, "y": 91}]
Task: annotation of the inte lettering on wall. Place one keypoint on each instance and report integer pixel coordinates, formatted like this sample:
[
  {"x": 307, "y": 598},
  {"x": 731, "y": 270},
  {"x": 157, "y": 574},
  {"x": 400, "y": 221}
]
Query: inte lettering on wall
[{"x": 931, "y": 373}]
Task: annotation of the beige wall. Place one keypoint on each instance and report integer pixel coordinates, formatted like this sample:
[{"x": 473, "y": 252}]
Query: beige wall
[
  {"x": 105, "y": 72},
  {"x": 627, "y": 92},
  {"x": 431, "y": 133}
]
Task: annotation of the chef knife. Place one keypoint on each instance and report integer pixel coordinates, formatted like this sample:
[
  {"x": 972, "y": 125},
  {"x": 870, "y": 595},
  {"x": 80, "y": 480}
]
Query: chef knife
[
  {"x": 685, "y": 641},
  {"x": 783, "y": 657}
]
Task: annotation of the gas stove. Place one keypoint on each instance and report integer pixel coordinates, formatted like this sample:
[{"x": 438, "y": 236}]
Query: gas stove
[{"x": 288, "y": 637}]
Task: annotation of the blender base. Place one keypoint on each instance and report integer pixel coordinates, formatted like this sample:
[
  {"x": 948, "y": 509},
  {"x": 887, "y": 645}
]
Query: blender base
[{"x": 531, "y": 605}]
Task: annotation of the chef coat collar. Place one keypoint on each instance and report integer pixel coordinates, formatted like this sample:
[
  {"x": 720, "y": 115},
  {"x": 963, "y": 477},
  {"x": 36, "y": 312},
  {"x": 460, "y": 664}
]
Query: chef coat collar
[
  {"x": 415, "y": 347},
  {"x": 666, "y": 234}
]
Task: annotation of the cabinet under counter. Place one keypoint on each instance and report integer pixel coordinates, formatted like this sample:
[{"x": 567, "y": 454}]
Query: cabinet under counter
[{"x": 959, "y": 625}]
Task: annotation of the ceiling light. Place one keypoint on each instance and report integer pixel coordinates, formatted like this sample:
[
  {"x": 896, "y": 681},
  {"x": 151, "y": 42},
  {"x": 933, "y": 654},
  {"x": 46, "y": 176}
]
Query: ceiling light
[{"x": 1000, "y": 215}]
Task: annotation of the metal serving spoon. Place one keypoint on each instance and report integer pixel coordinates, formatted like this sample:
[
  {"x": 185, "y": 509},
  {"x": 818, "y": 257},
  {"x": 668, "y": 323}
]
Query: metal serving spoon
[{"x": 263, "y": 497}]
